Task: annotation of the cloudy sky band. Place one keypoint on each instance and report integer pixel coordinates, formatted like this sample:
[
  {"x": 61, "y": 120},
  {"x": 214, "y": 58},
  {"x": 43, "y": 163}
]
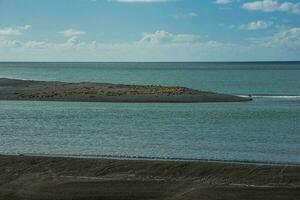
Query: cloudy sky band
[{"x": 267, "y": 30}]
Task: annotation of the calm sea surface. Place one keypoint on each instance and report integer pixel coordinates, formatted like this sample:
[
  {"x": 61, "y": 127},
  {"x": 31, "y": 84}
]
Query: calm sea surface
[{"x": 264, "y": 130}]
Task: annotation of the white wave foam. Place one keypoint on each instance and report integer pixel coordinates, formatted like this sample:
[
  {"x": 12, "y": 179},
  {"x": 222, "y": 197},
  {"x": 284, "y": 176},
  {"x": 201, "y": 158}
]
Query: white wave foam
[
  {"x": 277, "y": 97},
  {"x": 15, "y": 78},
  {"x": 245, "y": 96},
  {"x": 274, "y": 97}
]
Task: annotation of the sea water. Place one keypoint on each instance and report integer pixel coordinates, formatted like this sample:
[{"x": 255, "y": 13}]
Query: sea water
[{"x": 264, "y": 130}]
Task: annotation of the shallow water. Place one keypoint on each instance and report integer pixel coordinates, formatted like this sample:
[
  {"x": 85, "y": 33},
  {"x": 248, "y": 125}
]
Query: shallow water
[{"x": 265, "y": 130}]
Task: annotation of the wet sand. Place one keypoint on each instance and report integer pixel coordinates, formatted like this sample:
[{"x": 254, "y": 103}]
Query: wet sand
[
  {"x": 14, "y": 89},
  {"x": 25, "y": 177}
]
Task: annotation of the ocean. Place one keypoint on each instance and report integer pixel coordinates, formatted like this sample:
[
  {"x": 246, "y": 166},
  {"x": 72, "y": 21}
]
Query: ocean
[{"x": 265, "y": 130}]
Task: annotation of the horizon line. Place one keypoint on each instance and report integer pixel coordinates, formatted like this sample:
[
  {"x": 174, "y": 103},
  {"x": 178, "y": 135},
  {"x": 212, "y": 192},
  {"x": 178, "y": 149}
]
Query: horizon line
[{"x": 261, "y": 61}]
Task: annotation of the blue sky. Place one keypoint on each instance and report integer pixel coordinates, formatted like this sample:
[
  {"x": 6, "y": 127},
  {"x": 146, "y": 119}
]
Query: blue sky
[{"x": 149, "y": 30}]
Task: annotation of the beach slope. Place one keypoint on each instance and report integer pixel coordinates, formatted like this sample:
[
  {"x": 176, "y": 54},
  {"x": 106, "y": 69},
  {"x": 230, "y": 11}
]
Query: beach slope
[{"x": 32, "y": 178}]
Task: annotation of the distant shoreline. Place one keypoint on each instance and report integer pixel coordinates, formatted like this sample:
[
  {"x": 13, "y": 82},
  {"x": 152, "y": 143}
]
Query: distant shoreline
[
  {"x": 35, "y": 177},
  {"x": 16, "y": 89},
  {"x": 266, "y": 61}
]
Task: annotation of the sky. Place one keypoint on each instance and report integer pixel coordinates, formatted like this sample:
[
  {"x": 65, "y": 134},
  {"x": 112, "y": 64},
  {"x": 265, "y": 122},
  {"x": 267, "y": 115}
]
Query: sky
[{"x": 149, "y": 30}]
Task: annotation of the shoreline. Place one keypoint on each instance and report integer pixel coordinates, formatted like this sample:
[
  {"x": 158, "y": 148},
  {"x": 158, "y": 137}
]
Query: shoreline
[
  {"x": 36, "y": 177},
  {"x": 17, "y": 89},
  {"x": 161, "y": 159}
]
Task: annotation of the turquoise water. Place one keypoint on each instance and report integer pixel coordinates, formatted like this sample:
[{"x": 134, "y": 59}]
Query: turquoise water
[
  {"x": 235, "y": 78},
  {"x": 264, "y": 130}
]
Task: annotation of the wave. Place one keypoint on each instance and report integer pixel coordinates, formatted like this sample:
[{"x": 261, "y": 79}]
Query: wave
[
  {"x": 285, "y": 97},
  {"x": 274, "y": 97},
  {"x": 155, "y": 158},
  {"x": 14, "y": 78}
]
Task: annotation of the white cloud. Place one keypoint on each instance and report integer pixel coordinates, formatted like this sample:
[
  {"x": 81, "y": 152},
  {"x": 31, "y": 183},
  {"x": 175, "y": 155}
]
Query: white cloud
[
  {"x": 272, "y": 6},
  {"x": 35, "y": 44},
  {"x": 185, "y": 15},
  {"x": 260, "y": 24},
  {"x": 164, "y": 37},
  {"x": 72, "y": 42},
  {"x": 72, "y": 33},
  {"x": 160, "y": 37},
  {"x": 157, "y": 46},
  {"x": 25, "y": 27},
  {"x": 141, "y": 1},
  {"x": 13, "y": 31},
  {"x": 223, "y": 1},
  {"x": 9, "y": 31},
  {"x": 288, "y": 38},
  {"x": 10, "y": 43},
  {"x": 160, "y": 45}
]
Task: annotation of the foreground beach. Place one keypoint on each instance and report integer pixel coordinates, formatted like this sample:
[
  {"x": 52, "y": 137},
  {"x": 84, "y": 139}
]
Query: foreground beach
[
  {"x": 27, "y": 177},
  {"x": 14, "y": 89}
]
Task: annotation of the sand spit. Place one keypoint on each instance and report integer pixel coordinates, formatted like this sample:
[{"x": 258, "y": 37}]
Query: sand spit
[{"x": 14, "y": 89}]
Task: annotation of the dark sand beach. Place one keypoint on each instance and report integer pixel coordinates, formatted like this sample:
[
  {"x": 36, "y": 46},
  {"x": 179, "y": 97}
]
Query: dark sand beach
[
  {"x": 32, "y": 178},
  {"x": 13, "y": 89}
]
